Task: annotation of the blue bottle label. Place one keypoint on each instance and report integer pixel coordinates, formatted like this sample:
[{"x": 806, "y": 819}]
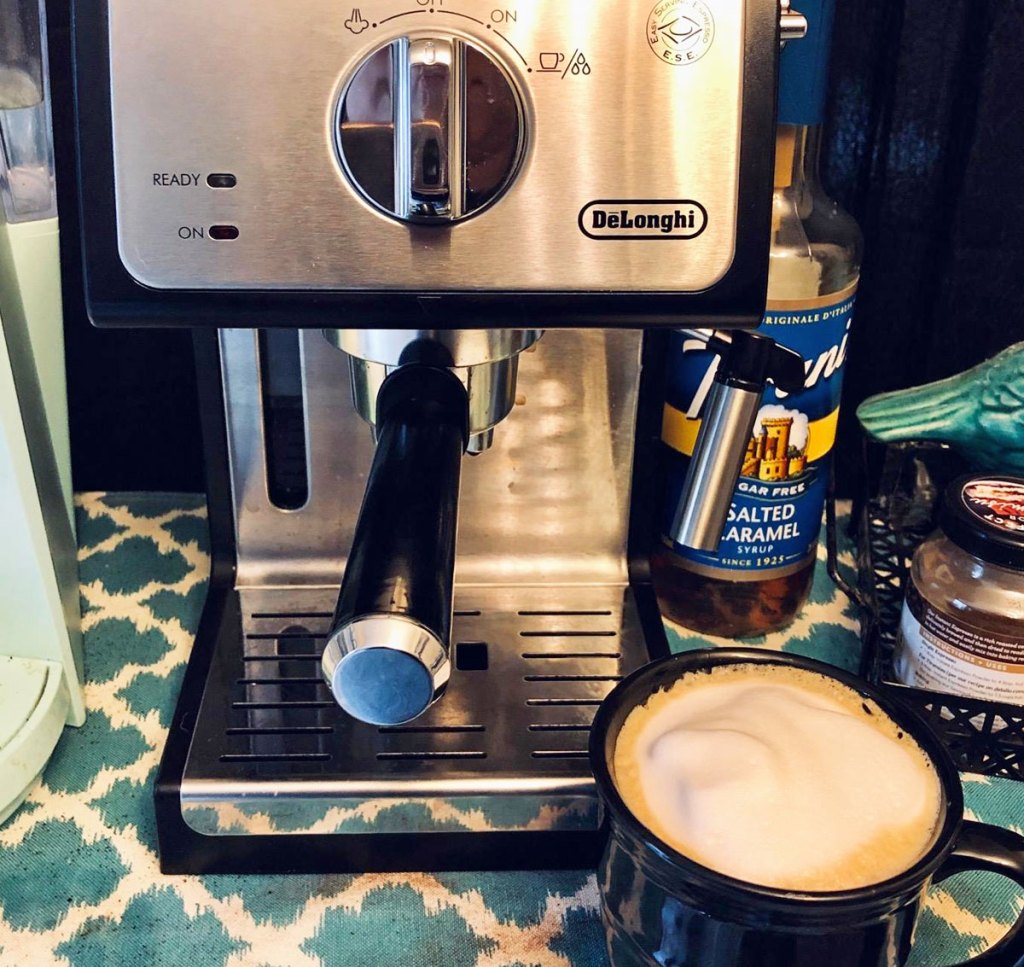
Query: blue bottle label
[
  {"x": 803, "y": 67},
  {"x": 775, "y": 516}
]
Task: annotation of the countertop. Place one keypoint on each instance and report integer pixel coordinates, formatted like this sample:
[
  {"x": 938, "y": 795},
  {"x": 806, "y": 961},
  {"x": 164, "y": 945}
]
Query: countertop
[{"x": 79, "y": 879}]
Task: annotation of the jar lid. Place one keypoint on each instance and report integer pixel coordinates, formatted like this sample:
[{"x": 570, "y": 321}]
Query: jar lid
[{"x": 984, "y": 514}]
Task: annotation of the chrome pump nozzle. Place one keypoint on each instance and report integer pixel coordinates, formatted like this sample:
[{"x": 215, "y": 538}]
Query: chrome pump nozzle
[{"x": 748, "y": 362}]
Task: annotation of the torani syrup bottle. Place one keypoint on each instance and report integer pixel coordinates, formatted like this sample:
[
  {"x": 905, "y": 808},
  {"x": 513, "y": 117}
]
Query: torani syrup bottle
[{"x": 762, "y": 573}]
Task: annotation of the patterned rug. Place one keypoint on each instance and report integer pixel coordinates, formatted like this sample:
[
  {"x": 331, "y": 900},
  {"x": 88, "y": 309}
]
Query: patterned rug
[{"x": 79, "y": 880}]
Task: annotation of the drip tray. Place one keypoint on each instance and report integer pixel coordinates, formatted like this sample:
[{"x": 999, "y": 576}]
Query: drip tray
[{"x": 504, "y": 750}]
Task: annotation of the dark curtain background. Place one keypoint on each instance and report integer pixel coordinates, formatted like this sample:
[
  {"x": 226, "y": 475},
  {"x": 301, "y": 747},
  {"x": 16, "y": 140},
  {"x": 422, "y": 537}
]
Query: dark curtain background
[
  {"x": 132, "y": 393},
  {"x": 925, "y": 146}
]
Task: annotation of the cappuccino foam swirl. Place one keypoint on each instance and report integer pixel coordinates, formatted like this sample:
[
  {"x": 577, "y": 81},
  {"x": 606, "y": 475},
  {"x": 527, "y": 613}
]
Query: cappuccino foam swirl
[{"x": 780, "y": 777}]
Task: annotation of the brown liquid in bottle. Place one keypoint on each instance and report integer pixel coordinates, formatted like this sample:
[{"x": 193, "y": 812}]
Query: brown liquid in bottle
[{"x": 728, "y": 609}]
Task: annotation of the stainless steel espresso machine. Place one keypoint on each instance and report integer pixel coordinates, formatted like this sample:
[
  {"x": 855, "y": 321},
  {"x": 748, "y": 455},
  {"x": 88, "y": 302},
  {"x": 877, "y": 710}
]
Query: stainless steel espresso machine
[{"x": 406, "y": 232}]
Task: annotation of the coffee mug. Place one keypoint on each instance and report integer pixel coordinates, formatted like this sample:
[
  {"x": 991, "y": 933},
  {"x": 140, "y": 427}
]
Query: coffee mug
[{"x": 661, "y": 908}]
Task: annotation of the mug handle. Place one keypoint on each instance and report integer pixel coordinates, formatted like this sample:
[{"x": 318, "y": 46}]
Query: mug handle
[{"x": 995, "y": 850}]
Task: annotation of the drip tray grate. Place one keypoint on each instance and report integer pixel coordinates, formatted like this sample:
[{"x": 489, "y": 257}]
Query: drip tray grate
[{"x": 506, "y": 746}]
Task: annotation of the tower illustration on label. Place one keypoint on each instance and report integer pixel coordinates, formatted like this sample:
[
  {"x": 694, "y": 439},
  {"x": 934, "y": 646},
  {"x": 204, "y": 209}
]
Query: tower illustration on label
[{"x": 775, "y": 451}]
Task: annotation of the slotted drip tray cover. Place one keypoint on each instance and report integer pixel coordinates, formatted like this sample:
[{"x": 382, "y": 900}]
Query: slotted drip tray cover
[{"x": 504, "y": 749}]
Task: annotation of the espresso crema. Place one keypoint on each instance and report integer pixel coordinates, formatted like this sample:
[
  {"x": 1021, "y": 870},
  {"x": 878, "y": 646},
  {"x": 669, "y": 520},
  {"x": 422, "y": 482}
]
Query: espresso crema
[{"x": 779, "y": 777}]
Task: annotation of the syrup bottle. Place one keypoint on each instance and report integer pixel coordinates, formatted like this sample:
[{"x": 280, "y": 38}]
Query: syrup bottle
[{"x": 762, "y": 572}]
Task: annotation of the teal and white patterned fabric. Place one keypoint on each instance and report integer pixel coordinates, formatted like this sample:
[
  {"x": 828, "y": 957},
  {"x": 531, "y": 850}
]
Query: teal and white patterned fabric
[{"x": 79, "y": 881}]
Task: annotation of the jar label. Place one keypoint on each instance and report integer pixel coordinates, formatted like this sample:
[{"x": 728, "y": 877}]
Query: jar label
[
  {"x": 775, "y": 515},
  {"x": 996, "y": 501},
  {"x": 941, "y": 653}
]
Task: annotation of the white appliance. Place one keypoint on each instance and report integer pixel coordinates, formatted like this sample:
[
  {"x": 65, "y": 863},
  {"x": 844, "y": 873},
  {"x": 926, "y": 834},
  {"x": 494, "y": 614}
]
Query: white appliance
[{"x": 40, "y": 636}]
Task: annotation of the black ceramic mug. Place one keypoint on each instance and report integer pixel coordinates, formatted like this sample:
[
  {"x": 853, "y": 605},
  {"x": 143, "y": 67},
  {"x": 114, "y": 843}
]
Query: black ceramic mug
[{"x": 661, "y": 908}]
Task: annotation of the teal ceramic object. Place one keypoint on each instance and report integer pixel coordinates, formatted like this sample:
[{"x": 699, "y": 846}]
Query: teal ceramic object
[{"x": 980, "y": 413}]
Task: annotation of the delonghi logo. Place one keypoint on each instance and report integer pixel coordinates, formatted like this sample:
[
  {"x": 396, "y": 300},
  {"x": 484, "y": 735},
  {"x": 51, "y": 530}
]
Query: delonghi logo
[{"x": 626, "y": 219}]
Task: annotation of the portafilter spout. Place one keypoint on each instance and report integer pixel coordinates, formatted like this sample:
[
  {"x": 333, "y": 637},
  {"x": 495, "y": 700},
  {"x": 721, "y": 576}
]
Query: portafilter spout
[
  {"x": 430, "y": 397},
  {"x": 386, "y": 658}
]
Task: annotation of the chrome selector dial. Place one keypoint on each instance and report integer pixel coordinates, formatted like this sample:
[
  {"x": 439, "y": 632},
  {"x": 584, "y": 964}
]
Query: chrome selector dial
[{"x": 431, "y": 128}]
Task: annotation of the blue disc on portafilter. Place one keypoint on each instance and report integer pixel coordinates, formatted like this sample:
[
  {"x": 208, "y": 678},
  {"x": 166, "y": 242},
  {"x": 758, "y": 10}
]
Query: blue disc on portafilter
[{"x": 382, "y": 686}]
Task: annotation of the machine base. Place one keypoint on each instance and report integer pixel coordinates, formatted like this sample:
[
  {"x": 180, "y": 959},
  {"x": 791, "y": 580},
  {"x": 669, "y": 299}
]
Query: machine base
[{"x": 263, "y": 773}]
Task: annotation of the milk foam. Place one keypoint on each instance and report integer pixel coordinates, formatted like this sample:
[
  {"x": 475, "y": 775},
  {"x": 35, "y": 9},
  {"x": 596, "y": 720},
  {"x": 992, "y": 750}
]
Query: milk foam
[{"x": 780, "y": 777}]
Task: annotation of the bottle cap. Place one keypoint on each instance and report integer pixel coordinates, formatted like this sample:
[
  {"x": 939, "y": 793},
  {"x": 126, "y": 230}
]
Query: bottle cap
[
  {"x": 803, "y": 66},
  {"x": 984, "y": 514}
]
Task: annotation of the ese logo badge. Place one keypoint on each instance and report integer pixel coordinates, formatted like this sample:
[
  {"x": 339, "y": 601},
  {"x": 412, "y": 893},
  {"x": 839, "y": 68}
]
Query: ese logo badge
[{"x": 680, "y": 31}]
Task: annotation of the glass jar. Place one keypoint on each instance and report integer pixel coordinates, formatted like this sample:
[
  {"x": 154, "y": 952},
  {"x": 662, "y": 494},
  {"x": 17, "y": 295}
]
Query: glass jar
[{"x": 962, "y": 627}]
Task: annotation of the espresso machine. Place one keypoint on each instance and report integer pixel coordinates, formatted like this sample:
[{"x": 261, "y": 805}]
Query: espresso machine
[{"x": 419, "y": 243}]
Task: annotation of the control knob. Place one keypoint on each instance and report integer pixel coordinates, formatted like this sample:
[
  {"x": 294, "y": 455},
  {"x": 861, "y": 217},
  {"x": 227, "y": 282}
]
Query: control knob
[{"x": 431, "y": 129}]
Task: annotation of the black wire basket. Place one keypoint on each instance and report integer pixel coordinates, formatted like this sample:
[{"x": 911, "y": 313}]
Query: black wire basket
[{"x": 983, "y": 737}]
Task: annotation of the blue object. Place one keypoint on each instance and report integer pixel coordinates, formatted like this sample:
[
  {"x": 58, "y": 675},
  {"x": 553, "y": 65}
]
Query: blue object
[
  {"x": 383, "y": 686},
  {"x": 803, "y": 67}
]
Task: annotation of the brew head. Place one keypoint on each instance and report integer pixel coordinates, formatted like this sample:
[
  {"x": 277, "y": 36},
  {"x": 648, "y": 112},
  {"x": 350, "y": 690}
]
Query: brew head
[{"x": 486, "y": 362}]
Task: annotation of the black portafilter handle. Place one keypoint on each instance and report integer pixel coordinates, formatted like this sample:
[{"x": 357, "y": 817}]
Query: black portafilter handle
[
  {"x": 749, "y": 361},
  {"x": 386, "y": 659}
]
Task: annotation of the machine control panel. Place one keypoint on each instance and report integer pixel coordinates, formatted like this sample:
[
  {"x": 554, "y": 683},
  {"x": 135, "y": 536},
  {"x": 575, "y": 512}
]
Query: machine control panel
[
  {"x": 431, "y": 128},
  {"x": 452, "y": 147}
]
